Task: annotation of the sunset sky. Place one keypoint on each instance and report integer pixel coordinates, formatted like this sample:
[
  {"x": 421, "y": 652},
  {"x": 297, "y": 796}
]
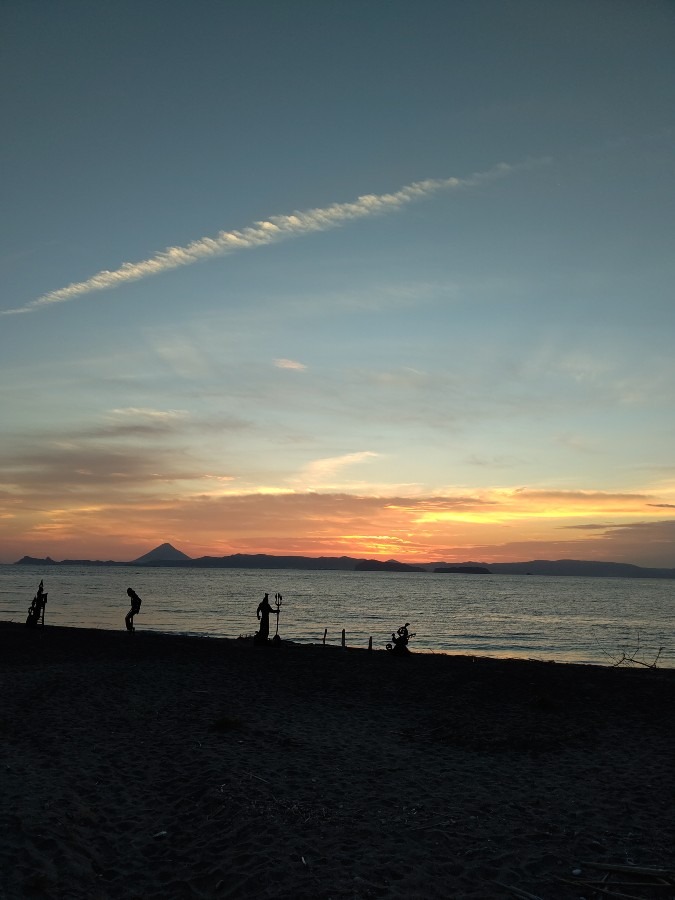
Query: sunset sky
[{"x": 362, "y": 277}]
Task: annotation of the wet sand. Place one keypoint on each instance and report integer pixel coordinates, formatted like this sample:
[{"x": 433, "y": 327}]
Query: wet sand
[{"x": 160, "y": 766}]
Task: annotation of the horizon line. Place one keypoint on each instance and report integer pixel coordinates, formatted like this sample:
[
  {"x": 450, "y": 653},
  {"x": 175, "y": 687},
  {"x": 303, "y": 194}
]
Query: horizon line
[{"x": 47, "y": 560}]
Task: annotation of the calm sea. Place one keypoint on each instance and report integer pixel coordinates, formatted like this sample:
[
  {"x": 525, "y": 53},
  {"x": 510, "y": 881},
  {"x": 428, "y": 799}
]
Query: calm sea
[{"x": 568, "y": 619}]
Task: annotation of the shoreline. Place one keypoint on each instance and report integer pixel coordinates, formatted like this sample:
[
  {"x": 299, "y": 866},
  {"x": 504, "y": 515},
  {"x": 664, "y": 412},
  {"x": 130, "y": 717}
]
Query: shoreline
[
  {"x": 662, "y": 663},
  {"x": 168, "y": 766},
  {"x": 532, "y": 619}
]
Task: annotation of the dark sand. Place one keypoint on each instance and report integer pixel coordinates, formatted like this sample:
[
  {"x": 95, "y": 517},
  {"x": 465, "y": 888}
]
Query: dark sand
[{"x": 153, "y": 766}]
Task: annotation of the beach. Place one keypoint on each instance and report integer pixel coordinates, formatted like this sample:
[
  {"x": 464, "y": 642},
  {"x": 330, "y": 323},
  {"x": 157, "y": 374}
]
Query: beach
[{"x": 161, "y": 766}]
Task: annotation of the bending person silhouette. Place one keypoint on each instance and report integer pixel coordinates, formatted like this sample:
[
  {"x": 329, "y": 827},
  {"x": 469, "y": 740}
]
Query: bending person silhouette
[
  {"x": 263, "y": 614},
  {"x": 135, "y": 608}
]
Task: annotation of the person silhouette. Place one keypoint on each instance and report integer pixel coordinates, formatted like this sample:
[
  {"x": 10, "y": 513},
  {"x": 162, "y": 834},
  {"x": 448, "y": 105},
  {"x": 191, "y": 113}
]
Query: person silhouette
[
  {"x": 263, "y": 614},
  {"x": 135, "y": 608}
]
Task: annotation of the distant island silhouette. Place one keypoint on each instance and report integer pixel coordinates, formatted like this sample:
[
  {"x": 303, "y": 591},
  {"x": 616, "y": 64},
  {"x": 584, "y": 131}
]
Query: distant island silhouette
[
  {"x": 167, "y": 555},
  {"x": 391, "y": 565}
]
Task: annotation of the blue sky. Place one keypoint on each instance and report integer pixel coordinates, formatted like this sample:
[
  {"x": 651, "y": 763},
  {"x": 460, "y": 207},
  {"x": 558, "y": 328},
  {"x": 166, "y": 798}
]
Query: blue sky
[{"x": 478, "y": 367}]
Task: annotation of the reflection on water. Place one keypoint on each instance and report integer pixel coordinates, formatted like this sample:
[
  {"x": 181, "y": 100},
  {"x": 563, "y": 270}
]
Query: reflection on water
[{"x": 560, "y": 618}]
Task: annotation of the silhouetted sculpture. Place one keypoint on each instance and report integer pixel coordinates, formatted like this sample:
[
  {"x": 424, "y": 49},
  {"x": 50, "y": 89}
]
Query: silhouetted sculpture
[
  {"x": 263, "y": 613},
  {"x": 399, "y": 641},
  {"x": 36, "y": 611},
  {"x": 277, "y": 602},
  {"x": 135, "y": 608}
]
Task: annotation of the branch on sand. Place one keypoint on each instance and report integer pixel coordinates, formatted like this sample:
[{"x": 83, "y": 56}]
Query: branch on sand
[{"x": 635, "y": 657}]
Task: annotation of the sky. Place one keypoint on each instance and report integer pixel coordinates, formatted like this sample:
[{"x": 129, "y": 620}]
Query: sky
[{"x": 376, "y": 278}]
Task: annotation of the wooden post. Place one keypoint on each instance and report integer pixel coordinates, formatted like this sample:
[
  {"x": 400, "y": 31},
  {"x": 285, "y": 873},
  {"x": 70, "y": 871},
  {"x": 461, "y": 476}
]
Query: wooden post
[
  {"x": 370, "y": 644},
  {"x": 325, "y": 632},
  {"x": 343, "y": 640}
]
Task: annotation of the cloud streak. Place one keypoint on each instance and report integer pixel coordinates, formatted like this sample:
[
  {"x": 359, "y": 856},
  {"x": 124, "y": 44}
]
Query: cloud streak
[
  {"x": 319, "y": 470},
  {"x": 289, "y": 364},
  {"x": 269, "y": 231}
]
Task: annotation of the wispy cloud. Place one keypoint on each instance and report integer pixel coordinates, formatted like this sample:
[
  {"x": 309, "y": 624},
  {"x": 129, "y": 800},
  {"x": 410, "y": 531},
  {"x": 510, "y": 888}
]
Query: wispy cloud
[
  {"x": 137, "y": 412},
  {"x": 289, "y": 364},
  {"x": 319, "y": 470},
  {"x": 272, "y": 230}
]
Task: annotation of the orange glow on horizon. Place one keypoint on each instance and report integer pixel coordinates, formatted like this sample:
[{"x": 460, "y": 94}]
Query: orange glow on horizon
[{"x": 497, "y": 525}]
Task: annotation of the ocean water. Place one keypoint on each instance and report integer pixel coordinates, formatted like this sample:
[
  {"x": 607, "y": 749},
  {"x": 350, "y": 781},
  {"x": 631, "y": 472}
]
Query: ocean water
[{"x": 567, "y": 619}]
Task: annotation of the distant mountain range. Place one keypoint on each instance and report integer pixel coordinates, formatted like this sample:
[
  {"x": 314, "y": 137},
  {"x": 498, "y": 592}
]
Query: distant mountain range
[{"x": 167, "y": 555}]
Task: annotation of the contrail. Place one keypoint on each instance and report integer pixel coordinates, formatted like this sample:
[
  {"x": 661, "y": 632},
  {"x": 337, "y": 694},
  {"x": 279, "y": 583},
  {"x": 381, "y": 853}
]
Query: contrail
[{"x": 272, "y": 230}]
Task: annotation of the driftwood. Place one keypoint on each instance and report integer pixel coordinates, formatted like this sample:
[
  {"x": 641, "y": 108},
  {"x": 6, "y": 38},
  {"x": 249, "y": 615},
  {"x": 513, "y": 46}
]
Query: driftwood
[
  {"x": 635, "y": 657},
  {"x": 632, "y": 660},
  {"x": 651, "y": 879},
  {"x": 600, "y": 890},
  {"x": 656, "y": 872},
  {"x": 517, "y": 892},
  {"x": 661, "y": 879}
]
